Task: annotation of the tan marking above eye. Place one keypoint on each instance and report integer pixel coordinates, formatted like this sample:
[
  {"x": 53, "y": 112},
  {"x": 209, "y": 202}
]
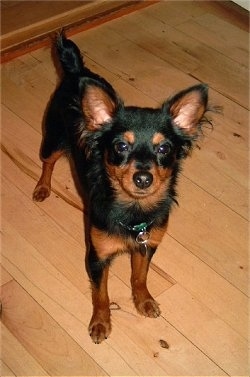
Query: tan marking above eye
[
  {"x": 129, "y": 136},
  {"x": 158, "y": 138}
]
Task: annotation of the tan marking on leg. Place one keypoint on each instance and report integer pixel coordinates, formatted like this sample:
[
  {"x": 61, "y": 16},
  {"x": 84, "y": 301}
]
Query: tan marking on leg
[
  {"x": 100, "y": 324},
  {"x": 144, "y": 302},
  {"x": 43, "y": 187}
]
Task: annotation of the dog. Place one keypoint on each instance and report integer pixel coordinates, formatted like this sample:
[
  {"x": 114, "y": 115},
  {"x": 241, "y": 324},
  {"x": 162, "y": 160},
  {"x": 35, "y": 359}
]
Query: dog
[{"x": 127, "y": 161}]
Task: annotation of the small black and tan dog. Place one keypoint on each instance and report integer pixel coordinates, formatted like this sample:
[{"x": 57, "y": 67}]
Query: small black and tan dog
[{"x": 127, "y": 161}]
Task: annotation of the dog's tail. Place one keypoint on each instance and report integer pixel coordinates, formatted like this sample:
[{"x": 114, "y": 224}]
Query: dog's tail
[{"x": 69, "y": 55}]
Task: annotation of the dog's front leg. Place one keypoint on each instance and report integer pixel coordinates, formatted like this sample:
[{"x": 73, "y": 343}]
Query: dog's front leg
[
  {"x": 100, "y": 324},
  {"x": 144, "y": 302}
]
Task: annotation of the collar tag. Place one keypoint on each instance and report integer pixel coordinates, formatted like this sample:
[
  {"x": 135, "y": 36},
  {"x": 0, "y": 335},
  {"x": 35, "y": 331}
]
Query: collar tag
[{"x": 142, "y": 237}]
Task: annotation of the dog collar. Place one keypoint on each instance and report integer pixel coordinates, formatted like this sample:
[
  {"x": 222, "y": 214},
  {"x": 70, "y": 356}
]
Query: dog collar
[{"x": 142, "y": 236}]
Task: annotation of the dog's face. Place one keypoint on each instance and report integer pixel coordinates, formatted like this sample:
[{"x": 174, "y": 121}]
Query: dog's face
[
  {"x": 140, "y": 153},
  {"x": 140, "y": 146}
]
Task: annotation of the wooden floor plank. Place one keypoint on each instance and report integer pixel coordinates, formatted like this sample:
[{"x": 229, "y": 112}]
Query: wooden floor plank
[
  {"x": 211, "y": 335},
  {"x": 204, "y": 284},
  {"x": 209, "y": 233},
  {"x": 5, "y": 276},
  {"x": 23, "y": 108},
  {"x": 5, "y": 370},
  {"x": 42, "y": 337},
  {"x": 188, "y": 54},
  {"x": 219, "y": 165},
  {"x": 219, "y": 35},
  {"x": 188, "y": 10},
  {"x": 173, "y": 14},
  {"x": 16, "y": 356}
]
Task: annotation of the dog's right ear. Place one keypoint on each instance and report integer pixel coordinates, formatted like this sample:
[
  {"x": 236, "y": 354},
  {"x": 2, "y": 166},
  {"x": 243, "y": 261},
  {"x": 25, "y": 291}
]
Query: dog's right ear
[
  {"x": 187, "y": 108},
  {"x": 98, "y": 107}
]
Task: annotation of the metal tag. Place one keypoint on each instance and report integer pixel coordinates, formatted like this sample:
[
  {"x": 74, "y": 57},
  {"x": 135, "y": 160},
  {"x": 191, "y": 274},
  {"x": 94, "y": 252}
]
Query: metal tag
[{"x": 142, "y": 237}]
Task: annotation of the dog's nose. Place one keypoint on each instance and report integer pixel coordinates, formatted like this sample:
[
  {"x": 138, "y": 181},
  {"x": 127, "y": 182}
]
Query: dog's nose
[{"x": 142, "y": 179}]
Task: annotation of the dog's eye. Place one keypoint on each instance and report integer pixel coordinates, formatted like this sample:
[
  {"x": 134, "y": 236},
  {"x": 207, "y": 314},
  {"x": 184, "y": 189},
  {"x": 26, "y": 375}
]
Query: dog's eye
[
  {"x": 121, "y": 147},
  {"x": 164, "y": 149}
]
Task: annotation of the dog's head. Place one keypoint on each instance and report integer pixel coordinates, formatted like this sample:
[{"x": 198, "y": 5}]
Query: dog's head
[{"x": 141, "y": 147}]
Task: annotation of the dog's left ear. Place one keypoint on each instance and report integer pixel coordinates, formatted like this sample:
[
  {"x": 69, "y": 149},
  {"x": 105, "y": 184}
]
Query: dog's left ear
[
  {"x": 98, "y": 107},
  {"x": 188, "y": 107}
]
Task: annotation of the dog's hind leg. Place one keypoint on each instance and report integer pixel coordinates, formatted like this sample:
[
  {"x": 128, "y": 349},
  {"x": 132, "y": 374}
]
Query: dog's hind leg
[
  {"x": 144, "y": 302},
  {"x": 43, "y": 187}
]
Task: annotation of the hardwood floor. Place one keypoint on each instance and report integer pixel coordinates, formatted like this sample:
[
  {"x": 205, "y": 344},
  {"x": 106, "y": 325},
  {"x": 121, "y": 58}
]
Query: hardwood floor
[{"x": 199, "y": 275}]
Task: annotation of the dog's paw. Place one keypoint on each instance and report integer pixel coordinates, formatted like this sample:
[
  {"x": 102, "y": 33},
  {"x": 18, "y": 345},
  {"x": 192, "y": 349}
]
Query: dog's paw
[
  {"x": 40, "y": 193},
  {"x": 148, "y": 308},
  {"x": 99, "y": 330}
]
